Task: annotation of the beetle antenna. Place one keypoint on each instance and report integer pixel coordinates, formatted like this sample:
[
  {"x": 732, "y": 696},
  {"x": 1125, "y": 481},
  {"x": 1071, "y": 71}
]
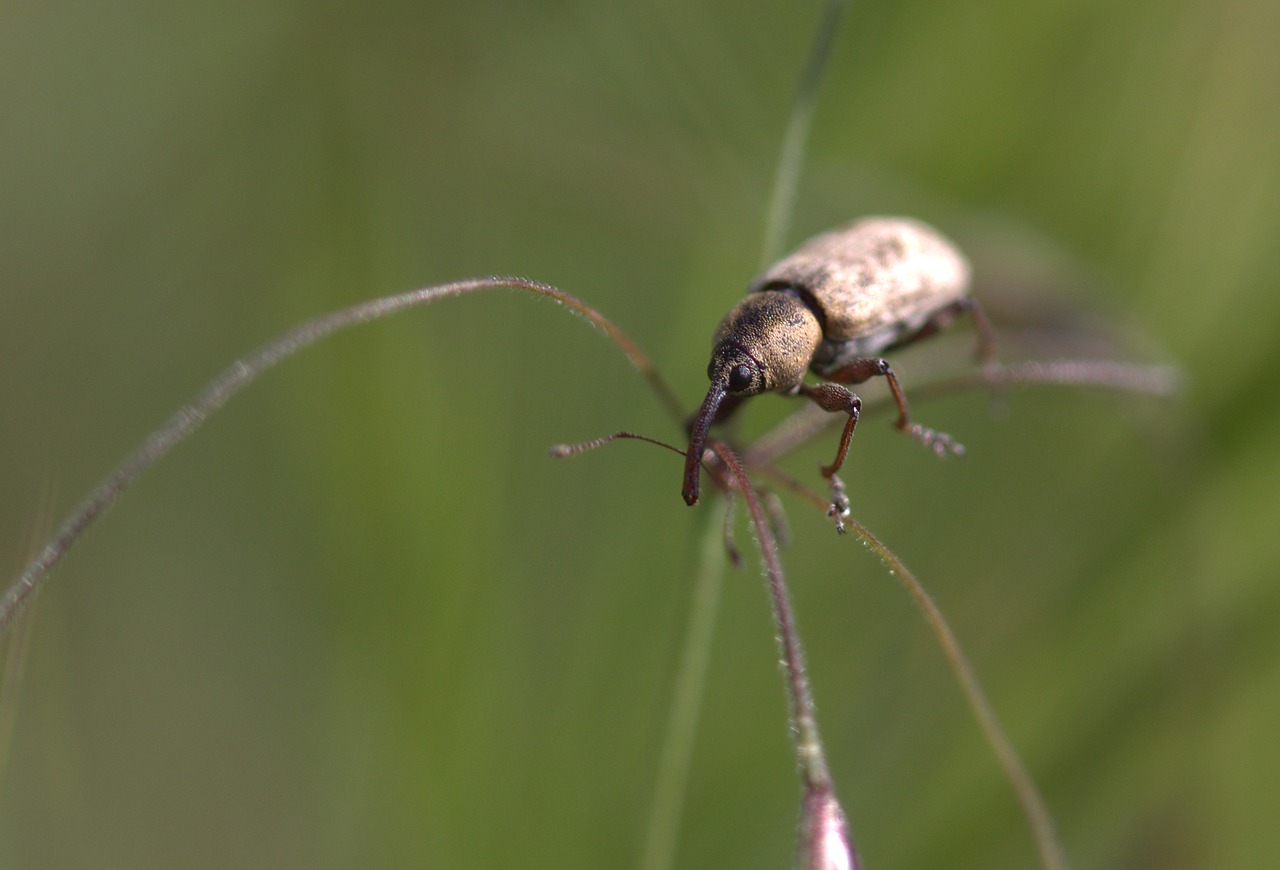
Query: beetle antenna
[
  {"x": 698, "y": 440},
  {"x": 563, "y": 451}
]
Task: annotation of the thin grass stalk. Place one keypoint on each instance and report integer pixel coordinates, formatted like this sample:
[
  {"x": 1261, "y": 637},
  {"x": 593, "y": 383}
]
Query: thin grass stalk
[
  {"x": 1043, "y": 830},
  {"x": 1045, "y": 833},
  {"x": 824, "y": 842},
  {"x": 673, "y": 773},
  {"x": 1158, "y": 381},
  {"x": 795, "y": 140},
  {"x": 247, "y": 369}
]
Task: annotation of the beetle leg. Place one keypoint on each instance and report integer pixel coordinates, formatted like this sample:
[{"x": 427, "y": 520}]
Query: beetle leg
[
  {"x": 835, "y": 398},
  {"x": 986, "y": 349},
  {"x": 986, "y": 333},
  {"x": 942, "y": 319},
  {"x": 861, "y": 370}
]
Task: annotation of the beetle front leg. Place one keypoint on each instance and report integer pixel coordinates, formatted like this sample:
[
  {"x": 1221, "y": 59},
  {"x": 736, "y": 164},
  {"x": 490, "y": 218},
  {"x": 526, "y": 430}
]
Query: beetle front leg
[
  {"x": 835, "y": 398},
  {"x": 861, "y": 370}
]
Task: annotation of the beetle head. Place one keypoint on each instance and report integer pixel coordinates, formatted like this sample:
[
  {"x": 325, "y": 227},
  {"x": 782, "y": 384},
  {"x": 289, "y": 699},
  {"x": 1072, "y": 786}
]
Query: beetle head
[{"x": 764, "y": 343}]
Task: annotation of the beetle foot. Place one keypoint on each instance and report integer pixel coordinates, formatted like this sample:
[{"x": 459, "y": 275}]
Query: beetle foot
[
  {"x": 939, "y": 442},
  {"x": 839, "y": 508}
]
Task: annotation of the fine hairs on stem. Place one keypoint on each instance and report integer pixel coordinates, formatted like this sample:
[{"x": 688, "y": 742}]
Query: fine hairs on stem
[{"x": 824, "y": 842}]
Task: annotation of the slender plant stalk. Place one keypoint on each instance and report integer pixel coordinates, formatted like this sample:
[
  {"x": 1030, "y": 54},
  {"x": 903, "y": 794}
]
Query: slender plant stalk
[
  {"x": 686, "y": 704},
  {"x": 795, "y": 140},
  {"x": 1132, "y": 378},
  {"x": 669, "y": 791},
  {"x": 1043, "y": 830},
  {"x": 824, "y": 842},
  {"x": 1049, "y": 844},
  {"x": 245, "y": 370},
  {"x": 1160, "y": 381},
  {"x": 813, "y": 762}
]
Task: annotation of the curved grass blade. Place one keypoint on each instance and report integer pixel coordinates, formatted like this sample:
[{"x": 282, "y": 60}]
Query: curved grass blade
[{"x": 244, "y": 371}]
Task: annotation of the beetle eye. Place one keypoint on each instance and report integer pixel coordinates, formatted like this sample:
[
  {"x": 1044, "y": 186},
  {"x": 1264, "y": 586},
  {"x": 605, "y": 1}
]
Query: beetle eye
[{"x": 740, "y": 377}]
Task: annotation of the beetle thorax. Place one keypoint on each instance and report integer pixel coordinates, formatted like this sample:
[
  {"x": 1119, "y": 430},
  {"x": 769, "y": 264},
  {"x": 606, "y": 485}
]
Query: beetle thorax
[{"x": 764, "y": 344}]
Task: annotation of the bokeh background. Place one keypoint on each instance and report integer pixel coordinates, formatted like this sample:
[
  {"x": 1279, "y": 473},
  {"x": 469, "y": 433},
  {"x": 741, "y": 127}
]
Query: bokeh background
[{"x": 361, "y": 620}]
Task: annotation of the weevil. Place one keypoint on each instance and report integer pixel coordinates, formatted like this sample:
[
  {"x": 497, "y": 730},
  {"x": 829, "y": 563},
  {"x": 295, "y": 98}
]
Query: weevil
[{"x": 832, "y": 307}]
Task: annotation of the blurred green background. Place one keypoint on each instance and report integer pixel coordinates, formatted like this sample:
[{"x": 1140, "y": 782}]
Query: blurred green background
[{"x": 361, "y": 620}]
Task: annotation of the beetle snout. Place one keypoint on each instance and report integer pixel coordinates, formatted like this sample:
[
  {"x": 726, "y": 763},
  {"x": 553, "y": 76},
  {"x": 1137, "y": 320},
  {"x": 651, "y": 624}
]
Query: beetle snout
[{"x": 698, "y": 440}]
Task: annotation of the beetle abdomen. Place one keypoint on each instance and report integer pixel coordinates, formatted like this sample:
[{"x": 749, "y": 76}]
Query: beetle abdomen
[{"x": 873, "y": 282}]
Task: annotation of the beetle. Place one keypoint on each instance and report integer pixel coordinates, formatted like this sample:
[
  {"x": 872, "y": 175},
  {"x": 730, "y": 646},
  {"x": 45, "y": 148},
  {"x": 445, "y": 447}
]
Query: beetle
[{"x": 832, "y": 308}]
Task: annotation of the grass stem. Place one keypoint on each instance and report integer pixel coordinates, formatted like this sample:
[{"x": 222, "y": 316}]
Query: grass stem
[{"x": 245, "y": 370}]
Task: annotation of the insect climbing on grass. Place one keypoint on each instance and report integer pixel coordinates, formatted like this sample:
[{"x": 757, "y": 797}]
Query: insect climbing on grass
[{"x": 831, "y": 308}]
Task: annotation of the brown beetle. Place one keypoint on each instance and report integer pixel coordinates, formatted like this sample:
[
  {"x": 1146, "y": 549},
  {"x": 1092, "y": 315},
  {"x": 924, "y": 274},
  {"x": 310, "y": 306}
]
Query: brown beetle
[{"x": 832, "y": 307}]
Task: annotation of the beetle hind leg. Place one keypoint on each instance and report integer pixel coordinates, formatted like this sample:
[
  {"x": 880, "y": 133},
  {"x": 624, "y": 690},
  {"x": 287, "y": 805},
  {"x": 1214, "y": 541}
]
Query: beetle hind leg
[{"x": 985, "y": 352}]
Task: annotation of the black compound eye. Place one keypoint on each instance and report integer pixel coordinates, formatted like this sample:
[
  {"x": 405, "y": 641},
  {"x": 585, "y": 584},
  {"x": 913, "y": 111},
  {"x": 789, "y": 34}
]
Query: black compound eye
[{"x": 740, "y": 378}]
